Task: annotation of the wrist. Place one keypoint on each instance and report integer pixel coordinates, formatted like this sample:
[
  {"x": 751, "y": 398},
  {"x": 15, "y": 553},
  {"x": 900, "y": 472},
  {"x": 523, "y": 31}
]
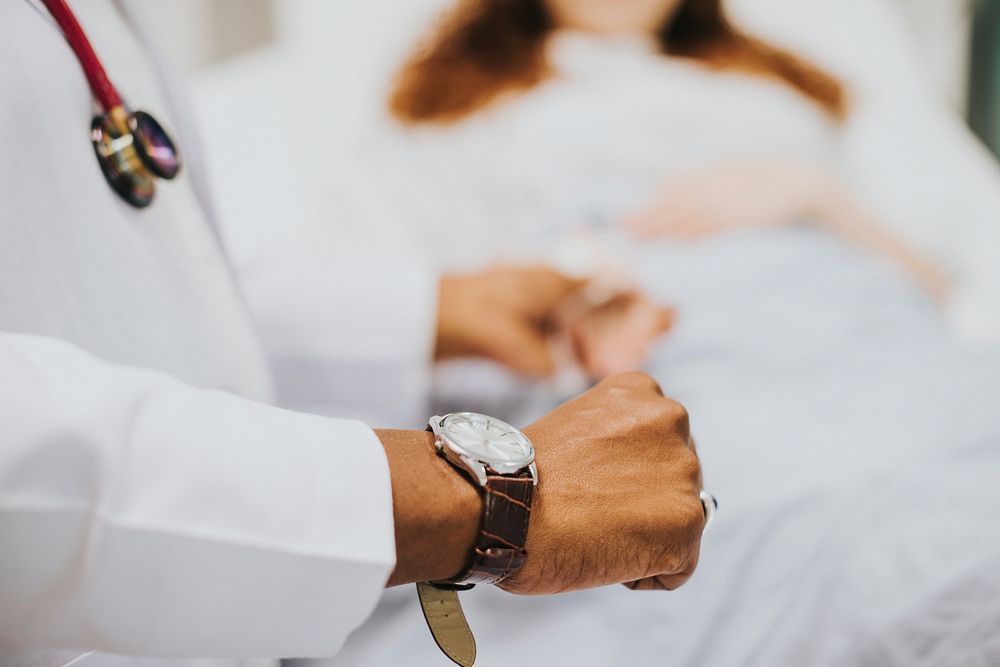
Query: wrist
[
  {"x": 436, "y": 512},
  {"x": 499, "y": 459},
  {"x": 453, "y": 338}
]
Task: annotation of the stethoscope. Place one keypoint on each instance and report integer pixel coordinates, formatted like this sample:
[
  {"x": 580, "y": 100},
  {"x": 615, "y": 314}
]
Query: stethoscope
[{"x": 132, "y": 148}]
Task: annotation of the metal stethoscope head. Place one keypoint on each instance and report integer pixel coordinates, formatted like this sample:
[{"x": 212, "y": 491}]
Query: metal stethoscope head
[
  {"x": 133, "y": 150},
  {"x": 132, "y": 147}
]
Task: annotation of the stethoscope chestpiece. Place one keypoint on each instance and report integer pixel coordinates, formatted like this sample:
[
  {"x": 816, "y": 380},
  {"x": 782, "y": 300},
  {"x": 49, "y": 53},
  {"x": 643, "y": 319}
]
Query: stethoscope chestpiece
[
  {"x": 132, "y": 148},
  {"x": 155, "y": 147}
]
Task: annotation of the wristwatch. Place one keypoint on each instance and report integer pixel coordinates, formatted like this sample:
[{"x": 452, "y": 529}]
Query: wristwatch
[{"x": 500, "y": 460}]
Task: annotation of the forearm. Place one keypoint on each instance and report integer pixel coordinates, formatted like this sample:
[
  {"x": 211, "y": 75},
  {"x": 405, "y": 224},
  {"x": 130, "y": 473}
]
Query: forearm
[
  {"x": 832, "y": 206},
  {"x": 436, "y": 511}
]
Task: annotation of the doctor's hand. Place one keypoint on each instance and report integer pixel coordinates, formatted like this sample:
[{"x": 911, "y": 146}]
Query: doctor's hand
[
  {"x": 617, "y": 498},
  {"x": 616, "y": 502},
  {"x": 502, "y": 313}
]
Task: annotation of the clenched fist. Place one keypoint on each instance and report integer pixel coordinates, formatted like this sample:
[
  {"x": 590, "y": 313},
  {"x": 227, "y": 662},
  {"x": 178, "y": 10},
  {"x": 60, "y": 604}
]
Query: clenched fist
[
  {"x": 616, "y": 502},
  {"x": 617, "y": 499}
]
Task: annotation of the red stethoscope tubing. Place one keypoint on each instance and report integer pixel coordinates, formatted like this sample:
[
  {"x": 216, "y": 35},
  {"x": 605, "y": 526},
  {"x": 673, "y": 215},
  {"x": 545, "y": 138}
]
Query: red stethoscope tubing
[
  {"x": 131, "y": 146},
  {"x": 100, "y": 85}
]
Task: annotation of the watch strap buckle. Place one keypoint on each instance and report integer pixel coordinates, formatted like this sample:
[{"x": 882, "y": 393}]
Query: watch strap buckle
[{"x": 449, "y": 586}]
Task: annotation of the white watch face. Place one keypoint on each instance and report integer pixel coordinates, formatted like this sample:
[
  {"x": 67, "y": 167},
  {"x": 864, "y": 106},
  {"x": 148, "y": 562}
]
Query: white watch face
[{"x": 487, "y": 439}]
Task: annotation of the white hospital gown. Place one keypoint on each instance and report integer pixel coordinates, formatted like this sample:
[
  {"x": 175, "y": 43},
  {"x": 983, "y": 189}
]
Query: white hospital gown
[{"x": 852, "y": 443}]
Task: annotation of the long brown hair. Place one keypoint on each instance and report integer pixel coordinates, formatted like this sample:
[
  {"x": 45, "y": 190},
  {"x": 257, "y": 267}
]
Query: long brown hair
[{"x": 485, "y": 48}]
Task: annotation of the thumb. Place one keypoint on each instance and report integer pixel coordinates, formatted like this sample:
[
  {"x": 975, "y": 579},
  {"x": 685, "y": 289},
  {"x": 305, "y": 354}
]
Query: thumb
[
  {"x": 547, "y": 287},
  {"x": 522, "y": 347}
]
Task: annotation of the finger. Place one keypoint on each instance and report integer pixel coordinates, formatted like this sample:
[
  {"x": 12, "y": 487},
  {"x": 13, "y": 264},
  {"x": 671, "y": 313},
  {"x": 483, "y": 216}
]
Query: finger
[
  {"x": 585, "y": 343},
  {"x": 522, "y": 347},
  {"x": 663, "y": 582},
  {"x": 700, "y": 481},
  {"x": 647, "y": 584},
  {"x": 594, "y": 323},
  {"x": 663, "y": 321},
  {"x": 600, "y": 357},
  {"x": 621, "y": 344},
  {"x": 548, "y": 286},
  {"x": 635, "y": 380}
]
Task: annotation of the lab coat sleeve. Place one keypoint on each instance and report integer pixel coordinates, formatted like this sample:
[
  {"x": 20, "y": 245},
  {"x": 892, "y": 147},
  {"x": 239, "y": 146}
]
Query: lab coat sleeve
[
  {"x": 346, "y": 307},
  {"x": 139, "y": 515}
]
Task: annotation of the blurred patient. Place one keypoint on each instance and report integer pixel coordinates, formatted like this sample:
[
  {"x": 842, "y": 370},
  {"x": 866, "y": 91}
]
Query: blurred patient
[
  {"x": 590, "y": 132},
  {"x": 796, "y": 213},
  {"x": 738, "y": 133}
]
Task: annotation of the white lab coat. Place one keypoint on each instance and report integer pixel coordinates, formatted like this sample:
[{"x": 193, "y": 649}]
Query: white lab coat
[
  {"x": 151, "y": 503},
  {"x": 299, "y": 237}
]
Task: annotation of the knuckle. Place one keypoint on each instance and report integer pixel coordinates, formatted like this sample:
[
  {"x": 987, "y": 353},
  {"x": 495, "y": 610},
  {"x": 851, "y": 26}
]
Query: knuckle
[
  {"x": 695, "y": 519},
  {"x": 675, "y": 533},
  {"x": 692, "y": 468},
  {"x": 672, "y": 421},
  {"x": 682, "y": 576},
  {"x": 680, "y": 418},
  {"x": 691, "y": 560},
  {"x": 637, "y": 380}
]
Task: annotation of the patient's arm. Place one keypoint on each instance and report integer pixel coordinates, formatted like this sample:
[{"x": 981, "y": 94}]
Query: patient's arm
[
  {"x": 748, "y": 196},
  {"x": 840, "y": 212}
]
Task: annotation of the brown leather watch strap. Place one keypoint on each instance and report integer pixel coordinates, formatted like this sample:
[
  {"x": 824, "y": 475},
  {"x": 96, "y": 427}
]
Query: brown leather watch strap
[{"x": 499, "y": 550}]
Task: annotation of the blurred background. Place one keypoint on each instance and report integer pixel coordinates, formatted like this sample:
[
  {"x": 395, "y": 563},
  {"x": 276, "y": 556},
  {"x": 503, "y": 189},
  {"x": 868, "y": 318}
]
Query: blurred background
[
  {"x": 336, "y": 58},
  {"x": 959, "y": 41}
]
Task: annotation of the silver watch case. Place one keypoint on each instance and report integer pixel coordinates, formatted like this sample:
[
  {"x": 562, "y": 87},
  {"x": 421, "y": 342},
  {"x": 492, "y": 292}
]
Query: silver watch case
[{"x": 475, "y": 465}]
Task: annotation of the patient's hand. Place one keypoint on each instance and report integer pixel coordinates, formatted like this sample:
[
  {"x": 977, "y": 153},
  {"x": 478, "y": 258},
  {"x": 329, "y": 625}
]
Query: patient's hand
[
  {"x": 739, "y": 196},
  {"x": 616, "y": 335}
]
